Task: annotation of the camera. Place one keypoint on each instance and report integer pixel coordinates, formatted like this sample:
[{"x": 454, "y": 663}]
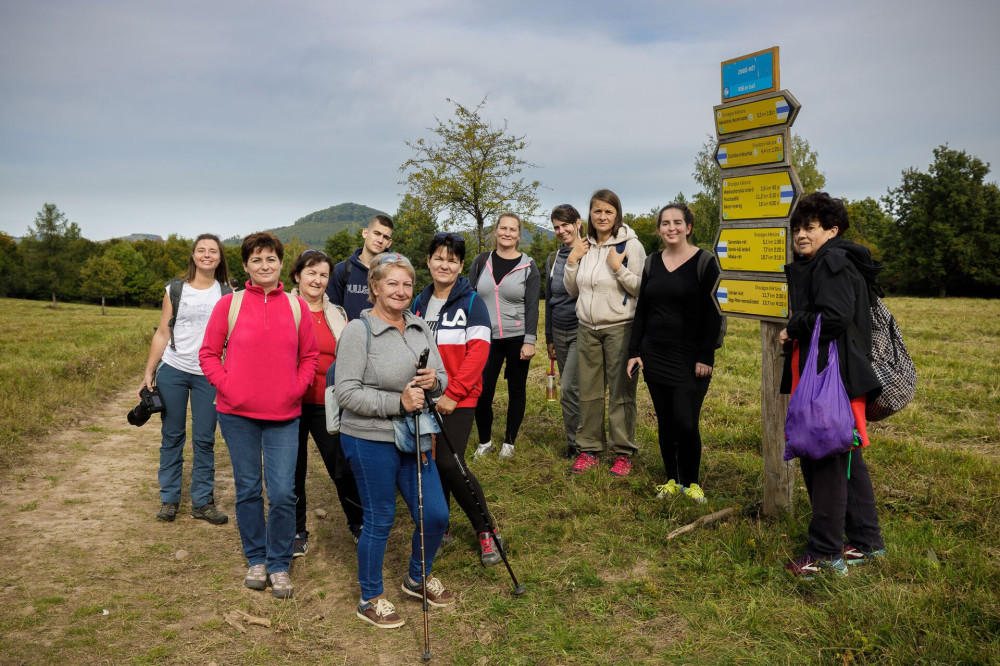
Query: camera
[{"x": 150, "y": 402}]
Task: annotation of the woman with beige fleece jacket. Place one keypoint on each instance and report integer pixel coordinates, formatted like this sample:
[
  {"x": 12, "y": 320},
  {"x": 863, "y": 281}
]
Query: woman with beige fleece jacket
[{"x": 603, "y": 272}]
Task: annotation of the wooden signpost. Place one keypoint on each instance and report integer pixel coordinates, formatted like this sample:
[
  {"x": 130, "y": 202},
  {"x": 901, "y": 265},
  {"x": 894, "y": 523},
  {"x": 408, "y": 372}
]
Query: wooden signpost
[{"x": 758, "y": 193}]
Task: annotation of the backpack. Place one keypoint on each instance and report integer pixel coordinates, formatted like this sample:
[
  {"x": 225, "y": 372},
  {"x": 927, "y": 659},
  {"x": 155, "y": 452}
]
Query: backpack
[
  {"x": 174, "y": 288},
  {"x": 704, "y": 259},
  {"x": 890, "y": 361},
  {"x": 330, "y": 393}
]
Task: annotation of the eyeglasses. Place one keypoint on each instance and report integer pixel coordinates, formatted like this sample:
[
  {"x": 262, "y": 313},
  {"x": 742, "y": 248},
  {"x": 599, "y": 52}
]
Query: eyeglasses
[
  {"x": 393, "y": 258},
  {"x": 449, "y": 235}
]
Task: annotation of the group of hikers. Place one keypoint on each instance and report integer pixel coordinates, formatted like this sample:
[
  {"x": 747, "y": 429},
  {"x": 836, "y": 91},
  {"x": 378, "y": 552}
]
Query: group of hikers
[{"x": 257, "y": 361}]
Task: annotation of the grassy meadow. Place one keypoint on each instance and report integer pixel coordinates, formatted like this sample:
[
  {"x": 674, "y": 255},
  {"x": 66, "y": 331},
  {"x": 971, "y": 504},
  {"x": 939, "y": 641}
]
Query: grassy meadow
[{"x": 603, "y": 583}]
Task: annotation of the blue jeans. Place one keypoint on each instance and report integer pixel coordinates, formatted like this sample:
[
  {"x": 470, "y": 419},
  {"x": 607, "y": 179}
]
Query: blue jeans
[
  {"x": 379, "y": 469},
  {"x": 175, "y": 387},
  {"x": 250, "y": 442}
]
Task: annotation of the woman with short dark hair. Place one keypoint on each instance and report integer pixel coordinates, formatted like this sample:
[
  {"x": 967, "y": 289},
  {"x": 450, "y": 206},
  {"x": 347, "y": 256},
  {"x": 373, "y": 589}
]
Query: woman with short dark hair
[
  {"x": 830, "y": 276},
  {"x": 259, "y": 404},
  {"x": 310, "y": 273}
]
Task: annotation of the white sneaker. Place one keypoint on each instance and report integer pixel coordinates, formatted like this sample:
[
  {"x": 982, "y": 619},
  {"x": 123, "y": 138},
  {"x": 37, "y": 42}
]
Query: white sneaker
[
  {"x": 507, "y": 450},
  {"x": 483, "y": 449}
]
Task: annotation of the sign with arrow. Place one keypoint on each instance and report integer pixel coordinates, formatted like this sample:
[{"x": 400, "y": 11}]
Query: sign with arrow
[
  {"x": 755, "y": 196},
  {"x": 752, "y": 298},
  {"x": 777, "y": 110},
  {"x": 759, "y": 249},
  {"x": 769, "y": 150}
]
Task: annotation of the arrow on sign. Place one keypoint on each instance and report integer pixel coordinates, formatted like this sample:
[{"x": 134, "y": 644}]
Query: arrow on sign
[{"x": 766, "y": 111}]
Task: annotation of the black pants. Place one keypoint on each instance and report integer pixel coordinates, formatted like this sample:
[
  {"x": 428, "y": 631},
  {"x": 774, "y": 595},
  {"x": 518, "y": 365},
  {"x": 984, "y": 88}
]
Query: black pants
[
  {"x": 457, "y": 427},
  {"x": 840, "y": 506},
  {"x": 313, "y": 420},
  {"x": 509, "y": 350},
  {"x": 677, "y": 412}
]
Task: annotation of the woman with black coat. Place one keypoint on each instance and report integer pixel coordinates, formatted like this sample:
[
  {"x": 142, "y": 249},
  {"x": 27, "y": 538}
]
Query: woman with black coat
[{"x": 831, "y": 276}]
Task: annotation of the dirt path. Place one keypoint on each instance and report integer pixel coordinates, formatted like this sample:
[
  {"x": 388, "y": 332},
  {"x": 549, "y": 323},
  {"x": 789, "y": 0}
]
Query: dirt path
[{"x": 90, "y": 576}]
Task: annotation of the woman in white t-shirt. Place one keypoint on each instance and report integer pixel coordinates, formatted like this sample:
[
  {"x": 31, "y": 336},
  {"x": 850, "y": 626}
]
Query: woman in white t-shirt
[{"x": 173, "y": 361}]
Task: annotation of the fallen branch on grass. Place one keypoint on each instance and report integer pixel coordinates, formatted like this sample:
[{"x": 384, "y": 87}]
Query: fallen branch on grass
[
  {"x": 234, "y": 617},
  {"x": 704, "y": 520}
]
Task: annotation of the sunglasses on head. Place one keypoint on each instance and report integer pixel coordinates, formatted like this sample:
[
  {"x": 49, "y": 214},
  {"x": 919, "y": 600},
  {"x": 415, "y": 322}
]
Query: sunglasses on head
[
  {"x": 443, "y": 235},
  {"x": 311, "y": 251},
  {"x": 392, "y": 258}
]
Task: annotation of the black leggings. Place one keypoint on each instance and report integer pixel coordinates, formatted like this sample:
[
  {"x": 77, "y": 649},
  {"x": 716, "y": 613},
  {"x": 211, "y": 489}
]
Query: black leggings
[
  {"x": 457, "y": 427},
  {"x": 313, "y": 420},
  {"x": 677, "y": 412},
  {"x": 507, "y": 349}
]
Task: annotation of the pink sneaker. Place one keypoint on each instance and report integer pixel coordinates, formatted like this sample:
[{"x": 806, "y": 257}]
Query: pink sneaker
[
  {"x": 584, "y": 462},
  {"x": 622, "y": 466}
]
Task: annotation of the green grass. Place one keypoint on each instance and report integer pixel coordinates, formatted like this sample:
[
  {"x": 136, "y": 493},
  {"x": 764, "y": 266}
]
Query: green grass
[
  {"x": 55, "y": 362},
  {"x": 603, "y": 583}
]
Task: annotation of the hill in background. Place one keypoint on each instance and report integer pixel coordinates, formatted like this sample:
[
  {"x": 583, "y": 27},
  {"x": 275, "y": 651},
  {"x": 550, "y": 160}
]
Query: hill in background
[{"x": 315, "y": 228}]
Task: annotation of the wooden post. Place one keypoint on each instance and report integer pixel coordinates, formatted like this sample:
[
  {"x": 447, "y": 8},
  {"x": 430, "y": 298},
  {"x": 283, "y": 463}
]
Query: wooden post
[{"x": 779, "y": 476}]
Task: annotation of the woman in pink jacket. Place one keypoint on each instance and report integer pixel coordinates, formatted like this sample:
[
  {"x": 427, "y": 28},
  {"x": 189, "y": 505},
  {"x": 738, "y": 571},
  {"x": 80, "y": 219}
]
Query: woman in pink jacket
[{"x": 270, "y": 361}]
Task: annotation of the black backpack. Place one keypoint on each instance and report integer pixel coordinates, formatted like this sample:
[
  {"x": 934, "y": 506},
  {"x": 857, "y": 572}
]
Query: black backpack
[
  {"x": 890, "y": 361},
  {"x": 174, "y": 288}
]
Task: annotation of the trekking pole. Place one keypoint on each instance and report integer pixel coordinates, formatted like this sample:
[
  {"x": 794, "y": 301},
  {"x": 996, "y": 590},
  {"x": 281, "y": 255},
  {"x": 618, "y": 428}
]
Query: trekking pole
[
  {"x": 487, "y": 518},
  {"x": 422, "y": 363}
]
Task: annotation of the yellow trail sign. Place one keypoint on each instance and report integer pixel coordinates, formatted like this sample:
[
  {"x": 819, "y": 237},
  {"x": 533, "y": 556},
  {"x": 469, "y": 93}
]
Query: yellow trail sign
[
  {"x": 773, "y": 111},
  {"x": 763, "y": 249},
  {"x": 752, "y": 297},
  {"x": 769, "y": 149},
  {"x": 757, "y": 196}
]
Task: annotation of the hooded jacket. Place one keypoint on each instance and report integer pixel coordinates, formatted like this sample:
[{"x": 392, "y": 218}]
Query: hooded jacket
[
  {"x": 350, "y": 291},
  {"x": 834, "y": 283},
  {"x": 513, "y": 302},
  {"x": 560, "y": 307},
  {"x": 463, "y": 339},
  {"x": 269, "y": 363},
  {"x": 603, "y": 298}
]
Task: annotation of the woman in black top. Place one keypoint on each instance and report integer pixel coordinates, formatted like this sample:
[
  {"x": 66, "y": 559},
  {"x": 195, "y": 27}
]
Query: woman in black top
[{"x": 673, "y": 340}]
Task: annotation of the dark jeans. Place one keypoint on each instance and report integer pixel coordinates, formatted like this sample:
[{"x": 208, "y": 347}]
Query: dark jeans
[
  {"x": 677, "y": 412},
  {"x": 457, "y": 427},
  {"x": 840, "y": 506},
  {"x": 509, "y": 350},
  {"x": 313, "y": 420}
]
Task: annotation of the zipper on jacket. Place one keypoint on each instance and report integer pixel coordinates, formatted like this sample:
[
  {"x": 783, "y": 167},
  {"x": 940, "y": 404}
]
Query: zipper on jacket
[{"x": 496, "y": 289}]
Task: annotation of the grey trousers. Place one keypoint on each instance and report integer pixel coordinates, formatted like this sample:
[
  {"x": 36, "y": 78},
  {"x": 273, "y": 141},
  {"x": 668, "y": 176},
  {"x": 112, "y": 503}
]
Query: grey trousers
[{"x": 569, "y": 386}]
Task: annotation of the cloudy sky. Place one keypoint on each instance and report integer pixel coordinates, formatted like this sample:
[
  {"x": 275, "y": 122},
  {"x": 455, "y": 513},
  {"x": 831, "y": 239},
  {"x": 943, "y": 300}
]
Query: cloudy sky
[{"x": 184, "y": 117}]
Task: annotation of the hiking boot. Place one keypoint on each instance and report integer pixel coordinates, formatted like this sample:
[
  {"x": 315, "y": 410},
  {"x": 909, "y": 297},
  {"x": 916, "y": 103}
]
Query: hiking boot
[
  {"x": 671, "y": 487},
  {"x": 281, "y": 585},
  {"x": 854, "y": 555},
  {"x": 379, "y": 612},
  {"x": 210, "y": 513},
  {"x": 447, "y": 539},
  {"x": 482, "y": 449},
  {"x": 256, "y": 578},
  {"x": 355, "y": 532},
  {"x": 488, "y": 554},
  {"x": 437, "y": 595},
  {"x": 301, "y": 544},
  {"x": 507, "y": 450},
  {"x": 584, "y": 462},
  {"x": 808, "y": 566},
  {"x": 572, "y": 451},
  {"x": 695, "y": 492},
  {"x": 168, "y": 511},
  {"x": 622, "y": 466}
]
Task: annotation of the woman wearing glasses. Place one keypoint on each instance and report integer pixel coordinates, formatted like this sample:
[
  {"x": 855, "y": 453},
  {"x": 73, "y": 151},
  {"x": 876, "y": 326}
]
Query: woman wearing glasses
[
  {"x": 508, "y": 282},
  {"x": 311, "y": 273},
  {"x": 377, "y": 379},
  {"x": 461, "y": 325}
]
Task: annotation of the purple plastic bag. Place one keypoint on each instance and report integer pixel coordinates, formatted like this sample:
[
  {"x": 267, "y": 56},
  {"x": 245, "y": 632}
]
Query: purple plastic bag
[{"x": 820, "y": 422}]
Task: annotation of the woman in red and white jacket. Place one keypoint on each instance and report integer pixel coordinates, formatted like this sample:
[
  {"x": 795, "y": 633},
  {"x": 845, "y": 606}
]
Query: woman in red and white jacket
[
  {"x": 270, "y": 361},
  {"x": 461, "y": 324}
]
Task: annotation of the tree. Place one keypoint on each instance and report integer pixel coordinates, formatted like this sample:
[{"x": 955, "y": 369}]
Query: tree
[
  {"x": 340, "y": 245},
  {"x": 944, "y": 233},
  {"x": 47, "y": 253},
  {"x": 141, "y": 286},
  {"x": 10, "y": 266},
  {"x": 415, "y": 226},
  {"x": 869, "y": 222},
  {"x": 471, "y": 170},
  {"x": 293, "y": 248},
  {"x": 102, "y": 277}
]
